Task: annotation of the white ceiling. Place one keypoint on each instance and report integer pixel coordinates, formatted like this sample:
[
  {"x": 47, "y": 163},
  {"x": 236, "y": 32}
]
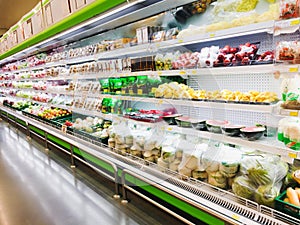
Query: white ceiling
[{"x": 12, "y": 11}]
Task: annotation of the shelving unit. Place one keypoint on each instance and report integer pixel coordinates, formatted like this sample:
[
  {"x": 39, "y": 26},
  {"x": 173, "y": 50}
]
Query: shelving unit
[{"x": 129, "y": 169}]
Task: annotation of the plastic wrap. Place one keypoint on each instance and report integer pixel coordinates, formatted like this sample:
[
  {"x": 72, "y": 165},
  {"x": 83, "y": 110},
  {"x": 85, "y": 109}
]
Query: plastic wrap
[{"x": 261, "y": 178}]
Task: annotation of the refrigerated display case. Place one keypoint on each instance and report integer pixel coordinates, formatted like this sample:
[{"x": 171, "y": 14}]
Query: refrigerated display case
[{"x": 121, "y": 90}]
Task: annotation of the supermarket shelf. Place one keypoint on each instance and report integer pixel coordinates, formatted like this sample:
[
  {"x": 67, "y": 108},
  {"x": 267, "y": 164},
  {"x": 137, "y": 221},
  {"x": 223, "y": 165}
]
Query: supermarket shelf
[
  {"x": 264, "y": 27},
  {"x": 286, "y": 26},
  {"x": 219, "y": 203},
  {"x": 78, "y": 60},
  {"x": 199, "y": 104},
  {"x": 265, "y": 144},
  {"x": 160, "y": 101},
  {"x": 253, "y": 69}
]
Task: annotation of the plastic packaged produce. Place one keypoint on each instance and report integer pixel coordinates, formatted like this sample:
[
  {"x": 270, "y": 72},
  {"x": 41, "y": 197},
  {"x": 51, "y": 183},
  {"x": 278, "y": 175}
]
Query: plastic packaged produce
[
  {"x": 289, "y": 9},
  {"x": 289, "y": 132},
  {"x": 287, "y": 50},
  {"x": 264, "y": 175},
  {"x": 290, "y": 93},
  {"x": 170, "y": 156},
  {"x": 190, "y": 164},
  {"x": 221, "y": 163}
]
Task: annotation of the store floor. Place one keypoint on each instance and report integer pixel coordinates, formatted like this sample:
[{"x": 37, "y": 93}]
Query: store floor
[{"x": 36, "y": 189}]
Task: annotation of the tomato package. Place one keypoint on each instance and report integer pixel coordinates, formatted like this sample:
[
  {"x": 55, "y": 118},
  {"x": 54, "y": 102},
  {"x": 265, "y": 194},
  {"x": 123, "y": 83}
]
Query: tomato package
[{"x": 289, "y": 9}]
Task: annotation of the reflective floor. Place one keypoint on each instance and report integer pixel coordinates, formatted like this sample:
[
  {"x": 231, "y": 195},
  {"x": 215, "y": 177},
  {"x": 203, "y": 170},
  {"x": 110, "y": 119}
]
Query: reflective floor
[{"x": 37, "y": 190}]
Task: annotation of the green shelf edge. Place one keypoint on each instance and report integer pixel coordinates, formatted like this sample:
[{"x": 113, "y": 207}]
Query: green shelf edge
[
  {"x": 193, "y": 211},
  {"x": 93, "y": 159},
  {"x": 189, "y": 209},
  {"x": 21, "y": 122},
  {"x": 36, "y": 130},
  {"x": 95, "y": 8}
]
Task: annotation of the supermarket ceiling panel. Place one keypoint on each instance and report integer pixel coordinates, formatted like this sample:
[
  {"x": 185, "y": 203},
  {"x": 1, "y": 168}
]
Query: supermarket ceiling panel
[{"x": 12, "y": 11}]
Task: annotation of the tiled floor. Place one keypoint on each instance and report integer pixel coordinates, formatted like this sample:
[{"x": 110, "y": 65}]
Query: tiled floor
[{"x": 36, "y": 190}]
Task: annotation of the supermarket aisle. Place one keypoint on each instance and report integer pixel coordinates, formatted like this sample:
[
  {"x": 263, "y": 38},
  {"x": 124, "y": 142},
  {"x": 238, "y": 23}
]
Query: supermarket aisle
[{"x": 35, "y": 190}]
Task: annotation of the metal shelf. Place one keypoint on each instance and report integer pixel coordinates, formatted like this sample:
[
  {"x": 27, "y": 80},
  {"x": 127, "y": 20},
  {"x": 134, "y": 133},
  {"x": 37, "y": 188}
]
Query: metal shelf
[
  {"x": 215, "y": 71},
  {"x": 200, "y": 104},
  {"x": 219, "y": 203},
  {"x": 265, "y": 144}
]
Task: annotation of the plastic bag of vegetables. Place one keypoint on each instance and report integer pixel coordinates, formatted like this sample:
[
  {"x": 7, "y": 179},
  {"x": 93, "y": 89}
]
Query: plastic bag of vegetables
[
  {"x": 190, "y": 163},
  {"x": 261, "y": 178}
]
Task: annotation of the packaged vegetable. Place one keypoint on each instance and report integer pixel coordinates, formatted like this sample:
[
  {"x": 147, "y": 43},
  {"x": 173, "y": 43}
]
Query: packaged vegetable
[{"x": 289, "y": 9}]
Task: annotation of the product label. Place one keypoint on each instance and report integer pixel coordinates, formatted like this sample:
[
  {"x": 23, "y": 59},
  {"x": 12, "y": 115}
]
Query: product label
[
  {"x": 293, "y": 69},
  {"x": 294, "y": 113},
  {"x": 153, "y": 90},
  {"x": 131, "y": 92},
  {"x": 140, "y": 91},
  {"x": 295, "y": 22},
  {"x": 292, "y": 155}
]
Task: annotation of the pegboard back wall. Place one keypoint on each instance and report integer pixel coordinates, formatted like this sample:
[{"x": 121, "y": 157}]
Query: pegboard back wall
[
  {"x": 234, "y": 116},
  {"x": 243, "y": 82},
  {"x": 265, "y": 41}
]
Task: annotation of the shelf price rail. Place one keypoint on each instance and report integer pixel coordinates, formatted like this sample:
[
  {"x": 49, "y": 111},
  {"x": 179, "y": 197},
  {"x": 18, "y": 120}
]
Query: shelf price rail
[{"x": 218, "y": 206}]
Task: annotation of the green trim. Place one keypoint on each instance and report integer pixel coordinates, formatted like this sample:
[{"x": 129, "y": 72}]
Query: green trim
[
  {"x": 59, "y": 142},
  {"x": 94, "y": 160},
  {"x": 95, "y": 8},
  {"x": 28, "y": 16},
  {"x": 21, "y": 122},
  {"x": 36, "y": 130},
  {"x": 45, "y": 2},
  {"x": 11, "y": 116},
  {"x": 189, "y": 209},
  {"x": 5, "y": 36},
  {"x": 14, "y": 28}
]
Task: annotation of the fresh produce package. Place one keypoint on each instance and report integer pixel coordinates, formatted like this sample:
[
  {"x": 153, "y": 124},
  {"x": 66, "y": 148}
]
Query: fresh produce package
[
  {"x": 288, "y": 51},
  {"x": 290, "y": 93},
  {"x": 222, "y": 164},
  {"x": 289, "y": 132},
  {"x": 260, "y": 179},
  {"x": 289, "y": 9},
  {"x": 171, "y": 156},
  {"x": 190, "y": 164}
]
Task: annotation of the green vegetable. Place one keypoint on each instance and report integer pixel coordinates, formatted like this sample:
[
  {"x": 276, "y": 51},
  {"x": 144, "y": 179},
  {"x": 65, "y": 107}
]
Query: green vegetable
[
  {"x": 266, "y": 194},
  {"x": 243, "y": 187}
]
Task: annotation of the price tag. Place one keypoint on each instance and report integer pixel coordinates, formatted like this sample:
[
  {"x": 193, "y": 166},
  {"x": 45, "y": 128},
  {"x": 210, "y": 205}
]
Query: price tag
[
  {"x": 293, "y": 69},
  {"x": 159, "y": 73},
  {"x": 140, "y": 91},
  {"x": 64, "y": 129},
  {"x": 212, "y": 35},
  {"x": 295, "y": 22},
  {"x": 169, "y": 128},
  {"x": 294, "y": 113},
  {"x": 236, "y": 217},
  {"x": 180, "y": 41},
  {"x": 160, "y": 102},
  {"x": 157, "y": 45},
  {"x": 194, "y": 72},
  {"x": 293, "y": 155},
  {"x": 182, "y": 72}
]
